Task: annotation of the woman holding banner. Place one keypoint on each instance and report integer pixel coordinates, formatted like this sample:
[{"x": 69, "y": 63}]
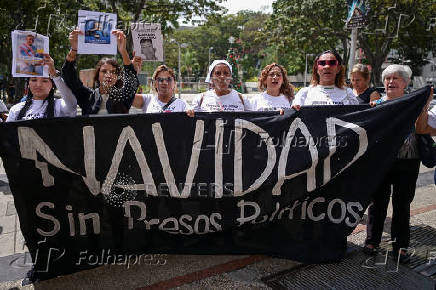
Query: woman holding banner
[
  {"x": 40, "y": 101},
  {"x": 402, "y": 177},
  {"x": 163, "y": 101},
  {"x": 221, "y": 97},
  {"x": 278, "y": 92},
  {"x": 114, "y": 89},
  {"x": 327, "y": 86},
  {"x": 427, "y": 124},
  {"x": 360, "y": 77}
]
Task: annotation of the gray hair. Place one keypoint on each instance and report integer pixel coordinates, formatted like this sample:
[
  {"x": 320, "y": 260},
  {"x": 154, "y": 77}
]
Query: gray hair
[{"x": 403, "y": 70}]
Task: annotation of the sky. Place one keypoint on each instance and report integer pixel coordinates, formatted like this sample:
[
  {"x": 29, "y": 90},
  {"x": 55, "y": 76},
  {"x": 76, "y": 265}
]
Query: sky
[{"x": 236, "y": 5}]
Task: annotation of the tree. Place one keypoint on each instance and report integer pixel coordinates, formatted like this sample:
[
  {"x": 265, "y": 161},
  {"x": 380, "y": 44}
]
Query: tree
[
  {"x": 311, "y": 26},
  {"x": 397, "y": 24},
  {"x": 189, "y": 62},
  {"x": 306, "y": 26},
  {"x": 232, "y": 58},
  {"x": 63, "y": 17}
]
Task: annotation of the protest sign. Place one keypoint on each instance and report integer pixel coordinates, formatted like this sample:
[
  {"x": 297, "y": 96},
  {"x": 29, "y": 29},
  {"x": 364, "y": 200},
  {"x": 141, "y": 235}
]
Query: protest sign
[
  {"x": 97, "y": 37},
  {"x": 147, "y": 41},
  {"x": 27, "y": 54}
]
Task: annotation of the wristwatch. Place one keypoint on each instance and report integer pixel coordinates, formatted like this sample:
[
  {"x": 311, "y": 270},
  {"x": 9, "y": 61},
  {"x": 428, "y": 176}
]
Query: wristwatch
[{"x": 57, "y": 74}]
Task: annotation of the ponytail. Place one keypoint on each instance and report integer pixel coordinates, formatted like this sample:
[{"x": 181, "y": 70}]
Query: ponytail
[{"x": 26, "y": 106}]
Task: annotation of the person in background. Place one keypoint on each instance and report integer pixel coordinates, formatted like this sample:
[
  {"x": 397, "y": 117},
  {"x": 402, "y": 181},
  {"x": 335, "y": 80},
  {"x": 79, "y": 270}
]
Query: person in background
[
  {"x": 327, "y": 86},
  {"x": 114, "y": 89},
  {"x": 277, "y": 91},
  {"x": 40, "y": 101},
  {"x": 3, "y": 112},
  {"x": 360, "y": 78},
  {"x": 163, "y": 100},
  {"x": 221, "y": 97}
]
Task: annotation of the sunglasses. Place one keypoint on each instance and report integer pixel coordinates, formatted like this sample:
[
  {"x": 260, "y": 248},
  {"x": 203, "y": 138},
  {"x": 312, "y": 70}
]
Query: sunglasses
[
  {"x": 161, "y": 80},
  {"x": 331, "y": 62}
]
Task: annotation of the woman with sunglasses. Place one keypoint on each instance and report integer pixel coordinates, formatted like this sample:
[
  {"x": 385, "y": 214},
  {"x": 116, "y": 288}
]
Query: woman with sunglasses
[
  {"x": 327, "y": 86},
  {"x": 113, "y": 91},
  {"x": 278, "y": 92},
  {"x": 221, "y": 97},
  {"x": 40, "y": 101},
  {"x": 360, "y": 77},
  {"x": 163, "y": 101}
]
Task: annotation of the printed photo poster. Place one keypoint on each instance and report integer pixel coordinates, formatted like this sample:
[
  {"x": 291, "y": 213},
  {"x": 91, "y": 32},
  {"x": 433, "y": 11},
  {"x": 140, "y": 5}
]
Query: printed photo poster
[
  {"x": 147, "y": 41},
  {"x": 28, "y": 49},
  {"x": 97, "y": 37}
]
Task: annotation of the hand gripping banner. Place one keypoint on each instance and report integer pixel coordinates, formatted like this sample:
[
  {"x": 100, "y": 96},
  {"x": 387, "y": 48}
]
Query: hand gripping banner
[{"x": 91, "y": 191}]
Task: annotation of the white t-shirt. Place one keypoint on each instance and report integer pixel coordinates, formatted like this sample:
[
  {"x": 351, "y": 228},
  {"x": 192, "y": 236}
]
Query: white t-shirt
[
  {"x": 65, "y": 107},
  {"x": 3, "y": 108},
  {"x": 226, "y": 103},
  {"x": 265, "y": 102},
  {"x": 432, "y": 117},
  {"x": 152, "y": 104},
  {"x": 325, "y": 95}
]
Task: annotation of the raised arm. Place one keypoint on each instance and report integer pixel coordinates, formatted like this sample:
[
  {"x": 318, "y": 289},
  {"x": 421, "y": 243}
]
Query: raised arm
[
  {"x": 70, "y": 75},
  {"x": 69, "y": 100}
]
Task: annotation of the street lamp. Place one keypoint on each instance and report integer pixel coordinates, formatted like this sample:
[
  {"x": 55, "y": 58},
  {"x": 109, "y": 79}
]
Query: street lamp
[
  {"x": 180, "y": 45},
  {"x": 305, "y": 68}
]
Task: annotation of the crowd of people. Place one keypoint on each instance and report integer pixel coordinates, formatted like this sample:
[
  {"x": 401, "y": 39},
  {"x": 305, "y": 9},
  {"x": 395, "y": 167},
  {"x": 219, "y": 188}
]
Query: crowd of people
[{"x": 115, "y": 90}]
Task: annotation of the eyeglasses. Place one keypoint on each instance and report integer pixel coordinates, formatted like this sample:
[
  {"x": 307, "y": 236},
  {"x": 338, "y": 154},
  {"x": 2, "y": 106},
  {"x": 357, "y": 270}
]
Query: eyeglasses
[
  {"x": 331, "y": 62},
  {"x": 161, "y": 80}
]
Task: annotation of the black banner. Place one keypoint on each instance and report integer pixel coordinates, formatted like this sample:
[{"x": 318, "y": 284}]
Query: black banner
[{"x": 100, "y": 190}]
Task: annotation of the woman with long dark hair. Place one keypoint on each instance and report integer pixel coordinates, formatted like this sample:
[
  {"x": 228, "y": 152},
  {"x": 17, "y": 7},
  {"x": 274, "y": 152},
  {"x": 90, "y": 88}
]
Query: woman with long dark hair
[
  {"x": 327, "y": 86},
  {"x": 114, "y": 89},
  {"x": 40, "y": 101}
]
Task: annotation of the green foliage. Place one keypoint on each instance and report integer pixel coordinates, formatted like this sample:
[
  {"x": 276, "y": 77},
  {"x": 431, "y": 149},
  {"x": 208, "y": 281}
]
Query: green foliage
[
  {"x": 233, "y": 57},
  {"x": 312, "y": 26},
  {"x": 24, "y": 14}
]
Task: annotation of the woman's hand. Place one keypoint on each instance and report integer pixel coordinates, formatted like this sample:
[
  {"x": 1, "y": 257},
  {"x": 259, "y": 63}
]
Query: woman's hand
[
  {"x": 296, "y": 107},
  {"x": 121, "y": 40},
  {"x": 190, "y": 113},
  {"x": 137, "y": 62},
  {"x": 73, "y": 38},
  {"x": 121, "y": 45},
  {"x": 48, "y": 61}
]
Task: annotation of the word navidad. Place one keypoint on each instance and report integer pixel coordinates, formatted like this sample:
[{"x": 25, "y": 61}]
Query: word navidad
[{"x": 31, "y": 143}]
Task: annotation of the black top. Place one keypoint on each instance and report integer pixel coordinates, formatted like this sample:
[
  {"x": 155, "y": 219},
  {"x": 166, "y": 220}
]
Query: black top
[
  {"x": 363, "y": 98},
  {"x": 120, "y": 98}
]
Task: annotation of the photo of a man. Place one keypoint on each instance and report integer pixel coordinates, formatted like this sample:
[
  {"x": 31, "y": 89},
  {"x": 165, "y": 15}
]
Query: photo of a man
[
  {"x": 147, "y": 49},
  {"x": 97, "y": 32},
  {"x": 30, "y": 56}
]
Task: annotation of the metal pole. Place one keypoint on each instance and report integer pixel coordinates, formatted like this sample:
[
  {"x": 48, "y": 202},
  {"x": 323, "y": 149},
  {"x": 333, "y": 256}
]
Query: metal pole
[
  {"x": 352, "y": 50},
  {"x": 305, "y": 72},
  {"x": 180, "y": 74},
  {"x": 208, "y": 62}
]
